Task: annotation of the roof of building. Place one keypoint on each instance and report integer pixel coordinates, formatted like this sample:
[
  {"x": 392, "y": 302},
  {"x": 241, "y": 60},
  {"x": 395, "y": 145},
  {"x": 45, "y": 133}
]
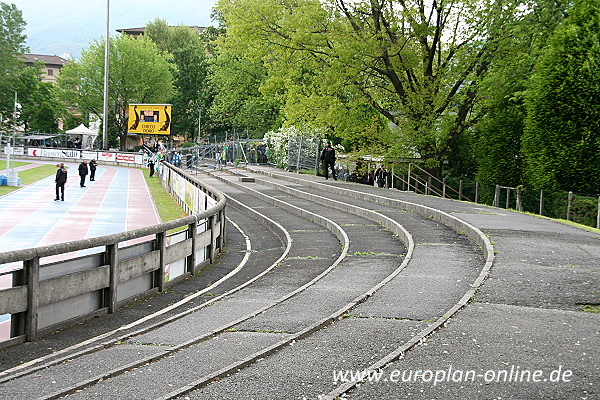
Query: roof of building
[
  {"x": 46, "y": 59},
  {"x": 140, "y": 31}
]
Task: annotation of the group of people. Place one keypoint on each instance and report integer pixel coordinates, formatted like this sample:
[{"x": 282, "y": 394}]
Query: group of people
[
  {"x": 328, "y": 159},
  {"x": 83, "y": 169},
  {"x": 74, "y": 143}
]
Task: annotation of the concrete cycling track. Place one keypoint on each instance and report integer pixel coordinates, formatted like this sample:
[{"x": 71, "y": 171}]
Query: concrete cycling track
[{"x": 296, "y": 323}]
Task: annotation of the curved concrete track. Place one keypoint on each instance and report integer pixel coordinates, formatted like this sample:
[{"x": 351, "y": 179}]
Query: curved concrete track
[{"x": 323, "y": 279}]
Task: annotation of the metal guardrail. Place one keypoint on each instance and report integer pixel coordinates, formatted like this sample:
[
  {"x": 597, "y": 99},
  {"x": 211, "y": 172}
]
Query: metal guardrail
[{"x": 47, "y": 296}]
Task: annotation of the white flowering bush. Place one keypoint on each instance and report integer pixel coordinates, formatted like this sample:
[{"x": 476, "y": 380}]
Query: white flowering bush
[{"x": 278, "y": 143}]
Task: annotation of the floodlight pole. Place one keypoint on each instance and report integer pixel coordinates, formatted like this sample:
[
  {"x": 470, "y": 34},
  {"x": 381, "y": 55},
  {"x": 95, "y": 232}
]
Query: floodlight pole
[
  {"x": 12, "y": 167},
  {"x": 105, "y": 108},
  {"x": 199, "y": 119}
]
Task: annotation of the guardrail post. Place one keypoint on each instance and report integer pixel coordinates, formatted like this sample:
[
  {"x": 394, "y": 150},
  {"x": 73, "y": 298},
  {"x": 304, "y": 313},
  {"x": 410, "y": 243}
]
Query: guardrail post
[
  {"x": 191, "y": 260},
  {"x": 408, "y": 179},
  {"x": 542, "y": 202},
  {"x": 496, "y": 202},
  {"x": 111, "y": 293},
  {"x": 569, "y": 203},
  {"x": 18, "y": 322},
  {"x": 460, "y": 189},
  {"x": 519, "y": 205},
  {"x": 222, "y": 233},
  {"x": 476, "y": 192},
  {"x": 32, "y": 269},
  {"x": 161, "y": 246},
  {"x": 598, "y": 217},
  {"x": 211, "y": 249},
  {"x": 507, "y": 198},
  {"x": 444, "y": 188}
]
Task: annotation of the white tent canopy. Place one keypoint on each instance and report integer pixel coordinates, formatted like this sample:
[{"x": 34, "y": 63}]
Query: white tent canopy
[{"x": 88, "y": 136}]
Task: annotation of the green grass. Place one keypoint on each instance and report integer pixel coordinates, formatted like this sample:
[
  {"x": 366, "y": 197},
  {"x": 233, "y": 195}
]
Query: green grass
[
  {"x": 167, "y": 206},
  {"x": 564, "y": 221},
  {"x": 30, "y": 176},
  {"x": 591, "y": 308}
]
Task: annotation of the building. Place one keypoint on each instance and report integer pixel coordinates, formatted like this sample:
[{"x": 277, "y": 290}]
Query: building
[
  {"x": 50, "y": 69},
  {"x": 136, "y": 32}
]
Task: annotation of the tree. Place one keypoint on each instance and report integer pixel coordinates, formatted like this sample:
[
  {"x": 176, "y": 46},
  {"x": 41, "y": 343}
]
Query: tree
[
  {"x": 139, "y": 73},
  {"x": 12, "y": 45},
  {"x": 40, "y": 107},
  {"x": 562, "y": 131},
  {"x": 238, "y": 103},
  {"x": 417, "y": 63},
  {"x": 497, "y": 147},
  {"x": 187, "y": 52}
]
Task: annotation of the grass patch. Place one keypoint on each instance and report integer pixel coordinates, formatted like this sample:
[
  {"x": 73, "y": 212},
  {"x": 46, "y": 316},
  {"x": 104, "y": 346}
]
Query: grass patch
[
  {"x": 591, "y": 308},
  {"x": 564, "y": 221},
  {"x": 30, "y": 176},
  {"x": 167, "y": 206}
]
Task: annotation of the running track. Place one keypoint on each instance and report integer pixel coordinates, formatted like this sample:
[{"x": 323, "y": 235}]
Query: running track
[{"x": 118, "y": 200}]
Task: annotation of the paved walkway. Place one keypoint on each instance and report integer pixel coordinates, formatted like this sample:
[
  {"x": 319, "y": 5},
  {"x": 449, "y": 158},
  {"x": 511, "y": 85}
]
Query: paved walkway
[
  {"x": 527, "y": 317},
  {"x": 118, "y": 200}
]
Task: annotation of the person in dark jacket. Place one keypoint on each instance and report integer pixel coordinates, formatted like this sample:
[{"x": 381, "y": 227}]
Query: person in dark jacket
[
  {"x": 328, "y": 159},
  {"x": 93, "y": 164},
  {"x": 83, "y": 171},
  {"x": 151, "y": 166},
  {"x": 61, "y": 179},
  {"x": 381, "y": 176}
]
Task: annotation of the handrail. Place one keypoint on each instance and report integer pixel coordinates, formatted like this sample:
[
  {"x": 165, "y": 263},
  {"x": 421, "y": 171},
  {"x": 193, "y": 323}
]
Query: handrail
[{"x": 430, "y": 188}]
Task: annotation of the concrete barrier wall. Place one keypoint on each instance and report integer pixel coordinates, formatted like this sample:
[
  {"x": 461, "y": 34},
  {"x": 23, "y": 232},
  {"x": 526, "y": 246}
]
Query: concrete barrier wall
[{"x": 45, "y": 297}]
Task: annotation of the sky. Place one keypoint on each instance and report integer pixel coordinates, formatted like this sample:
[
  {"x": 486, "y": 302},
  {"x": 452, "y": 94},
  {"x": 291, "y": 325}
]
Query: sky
[{"x": 66, "y": 27}]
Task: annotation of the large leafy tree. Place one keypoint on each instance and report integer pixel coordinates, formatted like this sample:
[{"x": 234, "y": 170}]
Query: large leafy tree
[
  {"x": 40, "y": 107},
  {"x": 139, "y": 73},
  {"x": 417, "y": 63},
  {"x": 187, "y": 52},
  {"x": 12, "y": 45},
  {"x": 238, "y": 103},
  {"x": 562, "y": 133},
  {"x": 497, "y": 137}
]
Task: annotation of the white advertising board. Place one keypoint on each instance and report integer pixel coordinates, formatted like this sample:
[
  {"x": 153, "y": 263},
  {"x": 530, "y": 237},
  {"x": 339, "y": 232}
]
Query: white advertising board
[
  {"x": 17, "y": 151},
  {"x": 130, "y": 158},
  {"x": 55, "y": 153},
  {"x": 105, "y": 156},
  {"x": 88, "y": 155}
]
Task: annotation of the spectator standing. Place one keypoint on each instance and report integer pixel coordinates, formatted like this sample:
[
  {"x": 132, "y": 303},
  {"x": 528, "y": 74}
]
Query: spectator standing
[
  {"x": 61, "y": 179},
  {"x": 381, "y": 175},
  {"x": 151, "y": 166},
  {"x": 93, "y": 164},
  {"x": 328, "y": 159},
  {"x": 262, "y": 153},
  {"x": 251, "y": 154},
  {"x": 83, "y": 171}
]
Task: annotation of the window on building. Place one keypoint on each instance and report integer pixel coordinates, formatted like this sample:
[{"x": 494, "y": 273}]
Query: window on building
[{"x": 50, "y": 72}]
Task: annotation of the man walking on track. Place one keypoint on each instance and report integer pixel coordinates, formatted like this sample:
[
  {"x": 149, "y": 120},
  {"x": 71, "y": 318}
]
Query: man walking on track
[
  {"x": 61, "y": 179},
  {"x": 93, "y": 164},
  {"x": 328, "y": 159},
  {"x": 83, "y": 171}
]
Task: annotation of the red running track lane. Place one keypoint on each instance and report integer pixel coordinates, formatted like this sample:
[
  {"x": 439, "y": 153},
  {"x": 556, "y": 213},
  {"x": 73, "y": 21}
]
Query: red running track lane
[
  {"x": 75, "y": 225},
  {"x": 141, "y": 210}
]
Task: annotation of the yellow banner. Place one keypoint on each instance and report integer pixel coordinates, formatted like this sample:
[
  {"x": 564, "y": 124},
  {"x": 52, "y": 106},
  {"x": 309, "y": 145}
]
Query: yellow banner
[{"x": 149, "y": 119}]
